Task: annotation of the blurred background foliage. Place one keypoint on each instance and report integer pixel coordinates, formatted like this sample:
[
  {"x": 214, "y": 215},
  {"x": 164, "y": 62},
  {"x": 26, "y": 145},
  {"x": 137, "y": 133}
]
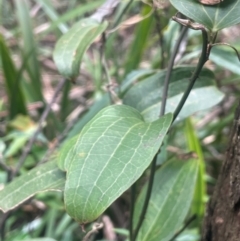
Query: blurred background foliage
[{"x": 29, "y": 30}]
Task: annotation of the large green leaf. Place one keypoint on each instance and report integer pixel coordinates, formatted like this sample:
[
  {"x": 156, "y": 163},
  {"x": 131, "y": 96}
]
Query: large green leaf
[
  {"x": 216, "y": 17},
  {"x": 170, "y": 201},
  {"x": 146, "y": 95},
  {"x": 46, "y": 177},
  {"x": 71, "y": 46},
  {"x": 107, "y": 157}
]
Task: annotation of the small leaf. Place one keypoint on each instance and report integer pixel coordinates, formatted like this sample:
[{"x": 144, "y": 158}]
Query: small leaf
[
  {"x": 46, "y": 177},
  {"x": 71, "y": 46},
  {"x": 203, "y": 95},
  {"x": 108, "y": 156},
  {"x": 222, "y": 15},
  {"x": 170, "y": 200}
]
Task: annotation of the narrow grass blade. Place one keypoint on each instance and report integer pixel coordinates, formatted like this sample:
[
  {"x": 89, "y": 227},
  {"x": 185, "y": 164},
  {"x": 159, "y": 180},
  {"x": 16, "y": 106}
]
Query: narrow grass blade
[
  {"x": 199, "y": 200},
  {"x": 12, "y": 82},
  {"x": 29, "y": 51}
]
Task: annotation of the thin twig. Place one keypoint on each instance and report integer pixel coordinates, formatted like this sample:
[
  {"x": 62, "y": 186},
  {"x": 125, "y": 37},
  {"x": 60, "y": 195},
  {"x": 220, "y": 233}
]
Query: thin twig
[
  {"x": 4, "y": 166},
  {"x": 40, "y": 126},
  {"x": 95, "y": 228},
  {"x": 104, "y": 65},
  {"x": 189, "y": 221},
  {"x": 3, "y": 220},
  {"x": 108, "y": 229},
  {"x": 160, "y": 37},
  {"x": 169, "y": 70}
]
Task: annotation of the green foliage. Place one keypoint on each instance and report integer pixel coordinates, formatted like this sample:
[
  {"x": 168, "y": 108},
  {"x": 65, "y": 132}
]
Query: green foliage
[
  {"x": 107, "y": 157},
  {"x": 204, "y": 94},
  {"x": 71, "y": 47},
  {"x": 215, "y": 18},
  {"x": 169, "y": 202},
  {"x": 121, "y": 130}
]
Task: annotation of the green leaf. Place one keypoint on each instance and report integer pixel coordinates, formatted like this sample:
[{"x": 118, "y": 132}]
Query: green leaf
[
  {"x": 203, "y": 95},
  {"x": 108, "y": 156},
  {"x": 71, "y": 46},
  {"x": 170, "y": 200},
  {"x": 46, "y": 177},
  {"x": 216, "y": 17}
]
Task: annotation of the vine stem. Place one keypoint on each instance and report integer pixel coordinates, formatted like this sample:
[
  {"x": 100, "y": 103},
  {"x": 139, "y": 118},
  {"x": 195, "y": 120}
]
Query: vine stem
[
  {"x": 203, "y": 59},
  {"x": 162, "y": 111}
]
